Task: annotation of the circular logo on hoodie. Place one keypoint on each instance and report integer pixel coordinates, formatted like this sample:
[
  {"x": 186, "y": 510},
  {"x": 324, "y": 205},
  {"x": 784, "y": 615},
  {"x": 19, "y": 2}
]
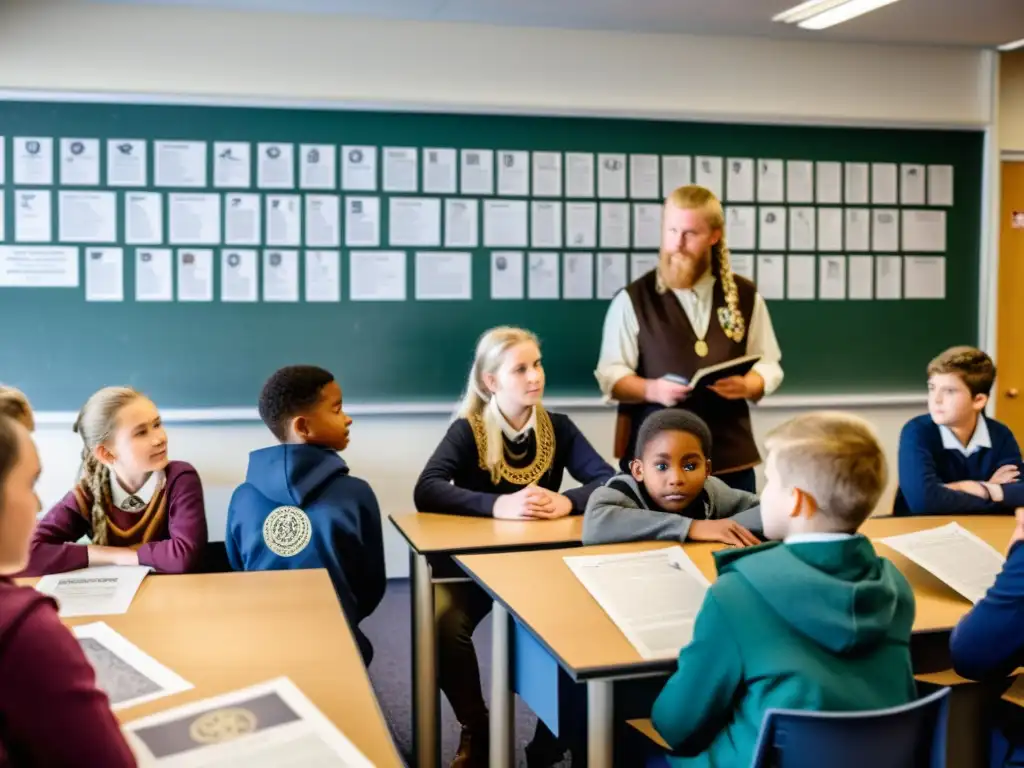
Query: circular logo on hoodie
[{"x": 287, "y": 531}]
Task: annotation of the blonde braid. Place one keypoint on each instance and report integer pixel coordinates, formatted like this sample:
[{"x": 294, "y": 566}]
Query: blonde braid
[
  {"x": 730, "y": 316},
  {"x": 96, "y": 477}
]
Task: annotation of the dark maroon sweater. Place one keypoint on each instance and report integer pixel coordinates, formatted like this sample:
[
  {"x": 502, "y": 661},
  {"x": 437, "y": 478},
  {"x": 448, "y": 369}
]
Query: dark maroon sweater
[{"x": 51, "y": 712}]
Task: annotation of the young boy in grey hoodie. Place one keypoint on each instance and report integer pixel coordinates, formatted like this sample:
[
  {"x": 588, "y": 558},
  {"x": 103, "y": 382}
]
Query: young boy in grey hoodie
[{"x": 670, "y": 494}]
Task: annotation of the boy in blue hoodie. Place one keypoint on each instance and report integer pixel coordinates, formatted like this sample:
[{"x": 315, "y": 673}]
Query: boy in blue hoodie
[
  {"x": 299, "y": 507},
  {"x": 813, "y": 620}
]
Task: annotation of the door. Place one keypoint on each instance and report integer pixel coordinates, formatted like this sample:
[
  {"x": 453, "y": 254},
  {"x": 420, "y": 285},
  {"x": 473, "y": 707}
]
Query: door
[{"x": 1009, "y": 394}]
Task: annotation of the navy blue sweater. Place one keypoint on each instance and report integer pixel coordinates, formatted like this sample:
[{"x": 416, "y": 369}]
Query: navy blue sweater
[
  {"x": 925, "y": 467},
  {"x": 299, "y": 508}
]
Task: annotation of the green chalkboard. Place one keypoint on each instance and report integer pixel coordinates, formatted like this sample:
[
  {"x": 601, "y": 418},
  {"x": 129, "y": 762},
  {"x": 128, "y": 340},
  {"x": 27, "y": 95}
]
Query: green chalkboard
[{"x": 59, "y": 348}]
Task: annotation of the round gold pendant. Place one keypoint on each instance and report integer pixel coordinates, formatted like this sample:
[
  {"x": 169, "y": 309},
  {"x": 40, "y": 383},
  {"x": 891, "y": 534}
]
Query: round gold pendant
[{"x": 701, "y": 348}]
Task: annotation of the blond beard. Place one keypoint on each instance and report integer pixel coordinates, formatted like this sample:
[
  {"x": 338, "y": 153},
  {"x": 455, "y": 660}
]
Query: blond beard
[{"x": 681, "y": 273}]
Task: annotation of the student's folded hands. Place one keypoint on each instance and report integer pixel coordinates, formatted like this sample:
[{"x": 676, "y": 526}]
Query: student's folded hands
[
  {"x": 532, "y": 503},
  {"x": 725, "y": 531},
  {"x": 1008, "y": 473}
]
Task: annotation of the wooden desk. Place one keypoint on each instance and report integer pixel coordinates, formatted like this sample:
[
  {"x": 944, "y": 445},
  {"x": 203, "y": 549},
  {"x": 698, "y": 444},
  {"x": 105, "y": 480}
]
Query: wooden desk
[
  {"x": 589, "y": 647},
  {"x": 433, "y": 540},
  {"x": 227, "y": 631}
]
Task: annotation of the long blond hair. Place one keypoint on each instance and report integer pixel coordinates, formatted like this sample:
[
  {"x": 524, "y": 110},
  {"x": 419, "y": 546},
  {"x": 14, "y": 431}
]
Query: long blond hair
[
  {"x": 95, "y": 424},
  {"x": 695, "y": 197},
  {"x": 479, "y": 401}
]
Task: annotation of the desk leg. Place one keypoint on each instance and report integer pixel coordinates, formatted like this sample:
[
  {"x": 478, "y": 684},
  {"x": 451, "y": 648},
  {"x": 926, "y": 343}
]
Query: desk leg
[
  {"x": 600, "y": 724},
  {"x": 426, "y": 704},
  {"x": 502, "y": 722}
]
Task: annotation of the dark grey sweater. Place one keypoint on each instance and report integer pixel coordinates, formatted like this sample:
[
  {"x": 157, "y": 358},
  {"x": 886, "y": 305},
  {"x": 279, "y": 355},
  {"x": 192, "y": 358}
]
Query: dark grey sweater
[{"x": 621, "y": 511}]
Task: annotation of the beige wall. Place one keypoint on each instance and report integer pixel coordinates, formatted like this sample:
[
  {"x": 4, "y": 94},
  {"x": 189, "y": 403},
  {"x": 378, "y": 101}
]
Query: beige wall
[{"x": 1011, "y": 101}]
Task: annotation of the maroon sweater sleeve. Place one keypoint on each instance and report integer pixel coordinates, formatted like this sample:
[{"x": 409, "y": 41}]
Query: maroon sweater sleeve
[
  {"x": 186, "y": 524},
  {"x": 51, "y": 712},
  {"x": 53, "y": 548}
]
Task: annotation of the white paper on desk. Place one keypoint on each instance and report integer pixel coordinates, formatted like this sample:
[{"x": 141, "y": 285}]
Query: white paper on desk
[
  {"x": 830, "y": 229},
  {"x": 739, "y": 187},
  {"x": 885, "y": 229},
  {"x": 832, "y": 277},
  {"x": 771, "y": 276},
  {"x": 401, "y": 169},
  {"x": 444, "y": 275},
  {"x": 127, "y": 674},
  {"x": 547, "y": 174},
  {"x": 653, "y": 597},
  {"x": 318, "y": 166},
  {"x": 676, "y": 171},
  {"x": 772, "y": 229},
  {"x": 612, "y": 274},
  {"x": 477, "y": 166},
  {"x": 323, "y": 276},
  {"x": 276, "y": 167},
  {"x": 611, "y": 175},
  {"x": 770, "y": 181},
  {"x": 88, "y": 217},
  {"x": 546, "y": 224},
  {"x": 940, "y": 185},
  {"x": 742, "y": 264},
  {"x": 580, "y": 225},
  {"x": 513, "y": 173},
  {"x": 862, "y": 280},
  {"x": 924, "y": 277},
  {"x": 961, "y": 559},
  {"x": 579, "y": 174},
  {"x": 802, "y": 229},
  {"x": 440, "y": 172},
  {"x": 578, "y": 275},
  {"x": 28, "y": 267},
  {"x": 194, "y": 218},
  {"x": 708, "y": 173},
  {"x": 461, "y": 223},
  {"x": 858, "y": 229},
  {"x": 33, "y": 216},
  {"x": 647, "y": 225},
  {"x": 143, "y": 218},
  {"x": 195, "y": 274},
  {"x": 414, "y": 221},
  {"x": 615, "y": 225},
  {"x": 800, "y": 277},
  {"x": 542, "y": 275},
  {"x": 104, "y": 274},
  {"x": 912, "y": 184},
  {"x": 323, "y": 221},
  {"x": 641, "y": 263},
  {"x": 741, "y": 223},
  {"x": 377, "y": 275},
  {"x": 359, "y": 168},
  {"x": 884, "y": 184},
  {"x": 281, "y": 276},
  {"x": 830, "y": 182},
  {"x": 924, "y": 230},
  {"x": 856, "y": 186},
  {"x": 888, "y": 277},
  {"x": 126, "y": 163},
  {"x": 507, "y": 274},
  {"x": 243, "y": 219},
  {"x": 239, "y": 276},
  {"x": 100, "y": 591},
  {"x": 263, "y": 726},
  {"x": 232, "y": 161},
  {"x": 80, "y": 162},
  {"x": 505, "y": 224},
  {"x": 800, "y": 181},
  {"x": 180, "y": 163},
  {"x": 284, "y": 220},
  {"x": 643, "y": 177},
  {"x": 362, "y": 221},
  {"x": 33, "y": 160},
  {"x": 154, "y": 275}
]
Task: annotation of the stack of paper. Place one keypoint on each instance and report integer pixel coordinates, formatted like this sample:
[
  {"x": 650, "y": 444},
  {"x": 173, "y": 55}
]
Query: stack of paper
[{"x": 94, "y": 591}]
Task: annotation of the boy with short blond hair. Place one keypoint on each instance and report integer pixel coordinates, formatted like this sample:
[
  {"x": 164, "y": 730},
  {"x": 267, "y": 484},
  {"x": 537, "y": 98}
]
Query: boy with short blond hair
[
  {"x": 955, "y": 459},
  {"x": 15, "y": 405},
  {"x": 813, "y": 620}
]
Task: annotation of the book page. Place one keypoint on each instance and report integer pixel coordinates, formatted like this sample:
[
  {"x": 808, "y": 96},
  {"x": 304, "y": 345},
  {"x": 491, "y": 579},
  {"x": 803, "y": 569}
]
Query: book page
[{"x": 108, "y": 589}]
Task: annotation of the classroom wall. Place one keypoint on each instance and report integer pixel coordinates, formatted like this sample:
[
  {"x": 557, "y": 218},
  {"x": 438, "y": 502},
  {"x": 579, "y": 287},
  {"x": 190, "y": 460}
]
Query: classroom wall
[
  {"x": 64, "y": 45},
  {"x": 1011, "y": 101}
]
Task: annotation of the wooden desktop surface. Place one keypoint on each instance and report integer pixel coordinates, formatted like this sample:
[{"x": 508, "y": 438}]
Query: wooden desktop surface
[
  {"x": 226, "y": 631},
  {"x": 450, "y": 534}
]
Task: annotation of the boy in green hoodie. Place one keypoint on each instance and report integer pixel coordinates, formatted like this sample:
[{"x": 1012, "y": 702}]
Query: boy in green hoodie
[{"x": 813, "y": 620}]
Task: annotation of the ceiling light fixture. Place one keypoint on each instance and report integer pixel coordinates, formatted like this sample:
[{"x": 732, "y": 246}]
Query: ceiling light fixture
[
  {"x": 1012, "y": 46},
  {"x": 819, "y": 14}
]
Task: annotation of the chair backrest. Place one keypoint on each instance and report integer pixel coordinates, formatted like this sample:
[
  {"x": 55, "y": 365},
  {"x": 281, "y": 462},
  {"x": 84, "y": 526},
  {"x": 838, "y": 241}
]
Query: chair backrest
[{"x": 909, "y": 736}]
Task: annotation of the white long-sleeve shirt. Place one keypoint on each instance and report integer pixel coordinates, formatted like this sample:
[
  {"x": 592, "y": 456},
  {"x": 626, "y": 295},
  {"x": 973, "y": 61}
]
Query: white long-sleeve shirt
[{"x": 620, "y": 350}]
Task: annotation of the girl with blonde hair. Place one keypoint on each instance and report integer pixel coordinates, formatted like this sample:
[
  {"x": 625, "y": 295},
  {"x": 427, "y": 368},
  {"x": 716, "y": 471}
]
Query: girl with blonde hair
[{"x": 504, "y": 456}]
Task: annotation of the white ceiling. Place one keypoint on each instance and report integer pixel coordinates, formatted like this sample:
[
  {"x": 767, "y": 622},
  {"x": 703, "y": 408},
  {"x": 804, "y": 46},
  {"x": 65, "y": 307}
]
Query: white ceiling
[{"x": 976, "y": 23}]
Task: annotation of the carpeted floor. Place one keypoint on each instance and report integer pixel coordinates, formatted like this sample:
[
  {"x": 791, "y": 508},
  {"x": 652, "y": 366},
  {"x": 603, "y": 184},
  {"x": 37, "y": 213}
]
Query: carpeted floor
[{"x": 391, "y": 672}]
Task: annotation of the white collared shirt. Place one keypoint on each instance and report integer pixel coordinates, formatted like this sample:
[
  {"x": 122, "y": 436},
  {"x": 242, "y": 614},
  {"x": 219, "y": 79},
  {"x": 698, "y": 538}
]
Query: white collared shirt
[
  {"x": 980, "y": 439},
  {"x": 516, "y": 435},
  {"x": 816, "y": 538},
  {"x": 620, "y": 350},
  {"x": 138, "y": 501}
]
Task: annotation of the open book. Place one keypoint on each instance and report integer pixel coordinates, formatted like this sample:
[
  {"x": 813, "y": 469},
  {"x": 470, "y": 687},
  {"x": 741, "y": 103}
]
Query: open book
[{"x": 707, "y": 376}]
